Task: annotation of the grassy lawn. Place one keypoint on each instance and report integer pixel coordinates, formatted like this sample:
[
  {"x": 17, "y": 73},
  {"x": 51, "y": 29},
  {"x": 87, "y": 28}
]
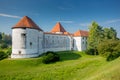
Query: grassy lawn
[{"x": 73, "y": 66}]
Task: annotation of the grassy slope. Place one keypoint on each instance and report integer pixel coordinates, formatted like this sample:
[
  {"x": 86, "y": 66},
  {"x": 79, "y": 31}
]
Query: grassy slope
[{"x": 74, "y": 66}]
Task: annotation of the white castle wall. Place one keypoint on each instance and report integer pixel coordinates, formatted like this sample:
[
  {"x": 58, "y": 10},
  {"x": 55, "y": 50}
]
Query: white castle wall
[
  {"x": 80, "y": 43},
  {"x": 83, "y": 43},
  {"x": 41, "y": 42},
  {"x": 77, "y": 43},
  {"x": 56, "y": 42},
  {"x": 28, "y": 47},
  {"x": 28, "y": 43}
]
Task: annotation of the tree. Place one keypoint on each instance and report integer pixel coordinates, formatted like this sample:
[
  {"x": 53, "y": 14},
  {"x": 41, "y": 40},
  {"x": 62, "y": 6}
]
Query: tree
[
  {"x": 3, "y": 45},
  {"x": 0, "y": 37},
  {"x": 110, "y": 33},
  {"x": 106, "y": 33},
  {"x": 95, "y": 36},
  {"x": 103, "y": 41},
  {"x": 7, "y": 39},
  {"x": 113, "y": 33}
]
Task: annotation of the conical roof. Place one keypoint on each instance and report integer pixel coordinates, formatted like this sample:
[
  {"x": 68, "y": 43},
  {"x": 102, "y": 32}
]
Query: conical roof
[
  {"x": 26, "y": 22},
  {"x": 81, "y": 33},
  {"x": 58, "y": 28}
]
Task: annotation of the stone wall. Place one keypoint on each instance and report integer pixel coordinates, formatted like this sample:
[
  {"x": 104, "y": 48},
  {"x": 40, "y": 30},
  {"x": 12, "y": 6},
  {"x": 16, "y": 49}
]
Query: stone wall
[{"x": 56, "y": 42}]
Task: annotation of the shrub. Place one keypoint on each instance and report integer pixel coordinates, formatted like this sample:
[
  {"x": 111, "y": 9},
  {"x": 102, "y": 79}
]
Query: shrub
[
  {"x": 92, "y": 51},
  {"x": 50, "y": 52},
  {"x": 107, "y": 46},
  {"x": 50, "y": 57},
  {"x": 2, "y": 55},
  {"x": 113, "y": 56},
  {"x": 109, "y": 49},
  {"x": 9, "y": 51}
]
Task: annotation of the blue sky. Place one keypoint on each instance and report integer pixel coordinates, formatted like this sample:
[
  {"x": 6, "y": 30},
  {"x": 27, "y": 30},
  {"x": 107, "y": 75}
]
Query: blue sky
[{"x": 73, "y": 14}]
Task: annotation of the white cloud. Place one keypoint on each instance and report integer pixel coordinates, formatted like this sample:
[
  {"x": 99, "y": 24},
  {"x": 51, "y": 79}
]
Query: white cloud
[
  {"x": 112, "y": 21},
  {"x": 65, "y": 21},
  {"x": 105, "y": 22},
  {"x": 8, "y": 15}
]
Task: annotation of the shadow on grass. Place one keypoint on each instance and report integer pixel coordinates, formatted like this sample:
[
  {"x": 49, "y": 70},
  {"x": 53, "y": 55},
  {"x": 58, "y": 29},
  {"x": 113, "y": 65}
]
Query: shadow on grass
[{"x": 68, "y": 55}]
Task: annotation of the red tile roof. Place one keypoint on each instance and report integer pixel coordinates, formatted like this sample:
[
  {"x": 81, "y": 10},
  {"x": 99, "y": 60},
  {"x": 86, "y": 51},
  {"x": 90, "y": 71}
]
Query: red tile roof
[
  {"x": 81, "y": 33},
  {"x": 26, "y": 22},
  {"x": 58, "y": 28}
]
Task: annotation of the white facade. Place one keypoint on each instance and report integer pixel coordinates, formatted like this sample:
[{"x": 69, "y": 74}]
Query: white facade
[
  {"x": 28, "y": 42},
  {"x": 80, "y": 43}
]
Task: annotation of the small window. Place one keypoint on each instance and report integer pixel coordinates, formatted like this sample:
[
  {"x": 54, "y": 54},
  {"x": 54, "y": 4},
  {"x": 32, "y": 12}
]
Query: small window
[
  {"x": 23, "y": 34},
  {"x": 19, "y": 52},
  {"x": 83, "y": 42},
  {"x": 53, "y": 41},
  {"x": 30, "y": 43},
  {"x": 86, "y": 42},
  {"x": 83, "y": 37}
]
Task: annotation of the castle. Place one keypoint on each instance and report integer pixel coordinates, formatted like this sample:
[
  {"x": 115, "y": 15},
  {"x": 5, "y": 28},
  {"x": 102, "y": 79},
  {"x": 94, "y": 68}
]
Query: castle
[{"x": 29, "y": 40}]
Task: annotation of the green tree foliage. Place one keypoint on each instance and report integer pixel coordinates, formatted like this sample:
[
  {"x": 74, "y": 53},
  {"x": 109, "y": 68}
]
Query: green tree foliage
[
  {"x": 109, "y": 48},
  {"x": 3, "y": 55},
  {"x": 9, "y": 51},
  {"x": 0, "y": 37},
  {"x": 3, "y": 45},
  {"x": 5, "y": 40},
  {"x": 110, "y": 33},
  {"x": 95, "y": 35}
]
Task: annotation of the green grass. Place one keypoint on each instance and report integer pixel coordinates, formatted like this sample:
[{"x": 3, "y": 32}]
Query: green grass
[{"x": 73, "y": 66}]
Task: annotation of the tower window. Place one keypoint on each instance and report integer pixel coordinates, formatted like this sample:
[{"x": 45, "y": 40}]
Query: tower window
[
  {"x": 83, "y": 42},
  {"x": 31, "y": 44},
  {"x": 83, "y": 37},
  {"x": 23, "y": 40}
]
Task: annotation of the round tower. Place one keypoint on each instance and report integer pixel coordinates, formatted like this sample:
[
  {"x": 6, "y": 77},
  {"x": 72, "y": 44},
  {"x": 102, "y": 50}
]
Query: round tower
[{"x": 26, "y": 37}]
